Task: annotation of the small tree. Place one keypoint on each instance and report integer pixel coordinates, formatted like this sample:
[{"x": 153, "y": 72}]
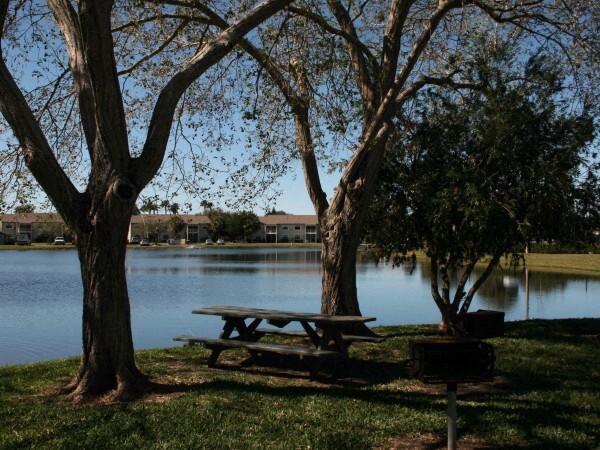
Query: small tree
[
  {"x": 276, "y": 212},
  {"x": 176, "y": 225},
  {"x": 479, "y": 175},
  {"x": 243, "y": 224},
  {"x": 218, "y": 222},
  {"x": 233, "y": 225},
  {"x": 25, "y": 208}
]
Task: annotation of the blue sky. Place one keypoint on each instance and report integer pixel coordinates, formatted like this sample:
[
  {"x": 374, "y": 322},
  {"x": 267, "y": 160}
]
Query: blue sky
[{"x": 295, "y": 199}]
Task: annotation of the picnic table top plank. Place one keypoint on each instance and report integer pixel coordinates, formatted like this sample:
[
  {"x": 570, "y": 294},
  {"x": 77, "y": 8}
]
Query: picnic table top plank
[{"x": 277, "y": 315}]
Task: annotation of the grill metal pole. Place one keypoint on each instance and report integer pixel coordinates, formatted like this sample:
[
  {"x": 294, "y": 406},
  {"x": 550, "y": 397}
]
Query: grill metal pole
[{"x": 451, "y": 389}]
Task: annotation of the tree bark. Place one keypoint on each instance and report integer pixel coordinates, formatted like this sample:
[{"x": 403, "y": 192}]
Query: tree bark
[
  {"x": 338, "y": 294},
  {"x": 107, "y": 360},
  {"x": 341, "y": 225}
]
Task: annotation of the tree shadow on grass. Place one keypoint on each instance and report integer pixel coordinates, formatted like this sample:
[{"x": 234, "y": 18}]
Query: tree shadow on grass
[{"x": 355, "y": 372}]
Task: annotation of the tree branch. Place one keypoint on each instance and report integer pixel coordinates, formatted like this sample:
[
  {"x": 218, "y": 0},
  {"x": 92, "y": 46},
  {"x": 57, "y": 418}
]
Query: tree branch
[
  {"x": 459, "y": 294},
  {"x": 433, "y": 279},
  {"x": 212, "y": 52},
  {"x": 361, "y": 69},
  {"x": 67, "y": 20},
  {"x": 183, "y": 17},
  {"x": 378, "y": 126},
  {"x": 160, "y": 48},
  {"x": 326, "y": 26},
  {"x": 391, "y": 42},
  {"x": 39, "y": 157},
  {"x": 488, "y": 270}
]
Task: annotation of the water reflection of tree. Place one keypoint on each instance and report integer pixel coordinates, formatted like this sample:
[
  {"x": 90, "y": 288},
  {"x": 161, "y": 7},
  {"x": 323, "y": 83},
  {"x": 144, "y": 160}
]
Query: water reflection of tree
[
  {"x": 504, "y": 285},
  {"x": 501, "y": 289},
  {"x": 287, "y": 256}
]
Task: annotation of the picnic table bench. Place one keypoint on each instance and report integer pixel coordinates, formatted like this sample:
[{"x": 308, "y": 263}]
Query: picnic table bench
[{"x": 323, "y": 330}]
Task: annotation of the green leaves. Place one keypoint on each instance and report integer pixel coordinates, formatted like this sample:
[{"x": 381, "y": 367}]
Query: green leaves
[{"x": 487, "y": 172}]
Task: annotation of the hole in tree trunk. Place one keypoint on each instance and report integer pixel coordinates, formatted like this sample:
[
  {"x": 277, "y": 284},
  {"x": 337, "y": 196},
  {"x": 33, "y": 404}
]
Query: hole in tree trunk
[{"x": 124, "y": 190}]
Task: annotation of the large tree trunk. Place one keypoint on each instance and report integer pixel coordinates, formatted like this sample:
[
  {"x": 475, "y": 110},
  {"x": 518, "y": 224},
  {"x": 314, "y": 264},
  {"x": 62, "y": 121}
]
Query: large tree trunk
[
  {"x": 107, "y": 361},
  {"x": 338, "y": 295},
  {"x": 100, "y": 216},
  {"x": 341, "y": 227}
]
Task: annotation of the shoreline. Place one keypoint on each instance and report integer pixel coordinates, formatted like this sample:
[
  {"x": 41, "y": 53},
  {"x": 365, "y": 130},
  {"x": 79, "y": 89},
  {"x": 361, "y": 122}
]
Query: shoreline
[{"x": 585, "y": 264}]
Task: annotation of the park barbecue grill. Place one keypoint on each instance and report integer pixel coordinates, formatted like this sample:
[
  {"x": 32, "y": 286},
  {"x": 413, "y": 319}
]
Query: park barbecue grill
[
  {"x": 442, "y": 361},
  {"x": 449, "y": 362}
]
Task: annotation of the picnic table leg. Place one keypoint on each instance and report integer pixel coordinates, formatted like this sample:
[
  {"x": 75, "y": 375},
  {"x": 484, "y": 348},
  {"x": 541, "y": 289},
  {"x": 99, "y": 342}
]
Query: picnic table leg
[
  {"x": 312, "y": 334},
  {"x": 250, "y": 331},
  {"x": 212, "y": 359},
  {"x": 322, "y": 342},
  {"x": 334, "y": 335},
  {"x": 245, "y": 332},
  {"x": 231, "y": 324}
]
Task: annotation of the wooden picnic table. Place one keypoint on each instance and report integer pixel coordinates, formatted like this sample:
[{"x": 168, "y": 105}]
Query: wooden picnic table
[{"x": 241, "y": 330}]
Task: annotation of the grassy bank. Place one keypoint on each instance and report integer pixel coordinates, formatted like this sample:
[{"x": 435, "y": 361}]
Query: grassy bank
[
  {"x": 576, "y": 264},
  {"x": 564, "y": 263},
  {"x": 546, "y": 395}
]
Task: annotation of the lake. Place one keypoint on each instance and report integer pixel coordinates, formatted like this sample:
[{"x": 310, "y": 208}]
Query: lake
[{"x": 41, "y": 294}]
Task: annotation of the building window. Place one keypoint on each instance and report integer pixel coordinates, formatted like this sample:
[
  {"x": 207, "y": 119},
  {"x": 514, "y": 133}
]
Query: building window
[
  {"x": 8, "y": 225},
  {"x": 297, "y": 227},
  {"x": 284, "y": 228}
]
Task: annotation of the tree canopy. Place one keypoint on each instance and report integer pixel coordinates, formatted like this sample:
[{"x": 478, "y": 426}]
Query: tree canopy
[
  {"x": 237, "y": 225},
  {"x": 473, "y": 176},
  {"x": 93, "y": 93},
  {"x": 340, "y": 74}
]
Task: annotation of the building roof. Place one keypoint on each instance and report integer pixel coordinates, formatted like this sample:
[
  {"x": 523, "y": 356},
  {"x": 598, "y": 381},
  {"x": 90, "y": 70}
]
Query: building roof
[
  {"x": 191, "y": 219},
  {"x": 32, "y": 218},
  {"x": 288, "y": 219}
]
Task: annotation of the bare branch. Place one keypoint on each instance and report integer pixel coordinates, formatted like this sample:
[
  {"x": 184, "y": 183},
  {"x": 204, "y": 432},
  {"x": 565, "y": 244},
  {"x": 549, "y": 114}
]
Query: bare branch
[
  {"x": 159, "y": 49},
  {"x": 211, "y": 53},
  {"x": 183, "y": 17},
  {"x": 488, "y": 270},
  {"x": 326, "y": 26},
  {"x": 66, "y": 17},
  {"x": 3, "y": 14},
  {"x": 391, "y": 42},
  {"x": 38, "y": 155},
  {"x": 361, "y": 69}
]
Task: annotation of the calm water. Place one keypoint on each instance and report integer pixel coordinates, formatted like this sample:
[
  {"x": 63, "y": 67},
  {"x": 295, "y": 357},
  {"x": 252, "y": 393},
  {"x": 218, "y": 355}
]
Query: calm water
[{"x": 40, "y": 294}]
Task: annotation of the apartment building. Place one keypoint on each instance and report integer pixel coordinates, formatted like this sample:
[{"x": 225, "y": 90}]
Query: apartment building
[
  {"x": 156, "y": 228},
  {"x": 276, "y": 228},
  {"x": 40, "y": 227},
  {"x": 282, "y": 228}
]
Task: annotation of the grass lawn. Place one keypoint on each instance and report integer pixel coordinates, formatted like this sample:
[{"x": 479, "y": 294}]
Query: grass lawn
[
  {"x": 575, "y": 264},
  {"x": 564, "y": 263},
  {"x": 546, "y": 395}
]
